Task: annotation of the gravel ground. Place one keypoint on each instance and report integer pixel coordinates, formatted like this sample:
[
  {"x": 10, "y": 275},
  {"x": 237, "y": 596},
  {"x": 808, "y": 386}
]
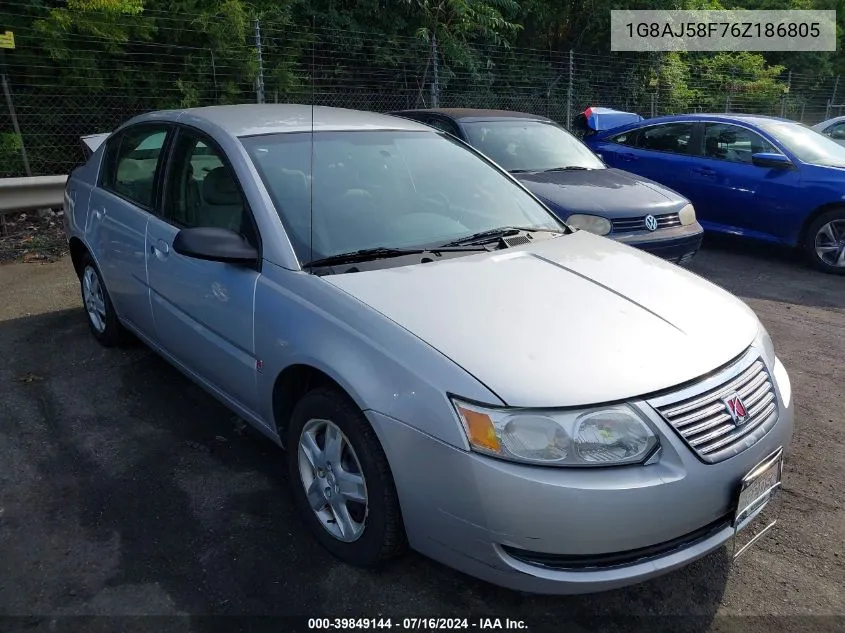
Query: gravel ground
[{"x": 126, "y": 491}]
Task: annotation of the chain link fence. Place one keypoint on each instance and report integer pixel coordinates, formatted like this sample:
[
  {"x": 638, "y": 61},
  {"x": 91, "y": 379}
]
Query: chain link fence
[{"x": 85, "y": 84}]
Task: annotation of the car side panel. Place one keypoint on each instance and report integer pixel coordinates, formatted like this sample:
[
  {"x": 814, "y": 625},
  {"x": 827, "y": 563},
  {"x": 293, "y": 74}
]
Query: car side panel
[
  {"x": 203, "y": 314},
  {"x": 302, "y": 320}
]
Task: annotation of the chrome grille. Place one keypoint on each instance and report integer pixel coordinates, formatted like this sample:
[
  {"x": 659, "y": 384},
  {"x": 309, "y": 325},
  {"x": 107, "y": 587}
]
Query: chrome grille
[
  {"x": 703, "y": 419},
  {"x": 628, "y": 225}
]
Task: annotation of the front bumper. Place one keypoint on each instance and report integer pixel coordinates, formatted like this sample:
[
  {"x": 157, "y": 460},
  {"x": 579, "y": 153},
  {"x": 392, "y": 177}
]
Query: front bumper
[
  {"x": 566, "y": 531},
  {"x": 678, "y": 245}
]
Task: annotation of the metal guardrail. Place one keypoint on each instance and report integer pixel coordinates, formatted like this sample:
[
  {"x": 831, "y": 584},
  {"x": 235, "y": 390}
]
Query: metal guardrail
[{"x": 32, "y": 193}]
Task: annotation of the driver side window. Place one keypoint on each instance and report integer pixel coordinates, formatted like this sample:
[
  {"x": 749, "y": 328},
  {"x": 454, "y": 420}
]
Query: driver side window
[{"x": 202, "y": 190}]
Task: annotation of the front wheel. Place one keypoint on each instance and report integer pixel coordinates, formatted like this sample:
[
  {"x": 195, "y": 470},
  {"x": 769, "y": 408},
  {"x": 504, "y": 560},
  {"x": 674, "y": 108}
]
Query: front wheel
[
  {"x": 341, "y": 481},
  {"x": 825, "y": 242}
]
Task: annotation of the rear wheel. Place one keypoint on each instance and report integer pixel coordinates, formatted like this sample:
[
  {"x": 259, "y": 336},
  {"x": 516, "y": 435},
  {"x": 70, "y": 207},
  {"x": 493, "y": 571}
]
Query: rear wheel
[
  {"x": 341, "y": 481},
  {"x": 102, "y": 319},
  {"x": 825, "y": 242}
]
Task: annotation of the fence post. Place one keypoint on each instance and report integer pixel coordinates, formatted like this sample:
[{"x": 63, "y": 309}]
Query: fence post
[
  {"x": 783, "y": 100},
  {"x": 259, "y": 83},
  {"x": 569, "y": 90},
  {"x": 653, "y": 105},
  {"x": 832, "y": 98},
  {"x": 8, "y": 94},
  {"x": 435, "y": 84}
]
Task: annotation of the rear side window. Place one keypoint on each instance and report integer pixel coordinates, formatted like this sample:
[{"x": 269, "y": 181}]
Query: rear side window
[
  {"x": 626, "y": 138},
  {"x": 131, "y": 162},
  {"x": 670, "y": 137}
]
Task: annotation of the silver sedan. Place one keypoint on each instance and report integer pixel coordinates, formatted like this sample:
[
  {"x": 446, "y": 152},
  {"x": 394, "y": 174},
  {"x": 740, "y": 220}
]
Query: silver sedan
[{"x": 447, "y": 364}]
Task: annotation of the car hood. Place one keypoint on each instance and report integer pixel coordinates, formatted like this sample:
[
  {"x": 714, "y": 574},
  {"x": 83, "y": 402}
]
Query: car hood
[
  {"x": 611, "y": 193},
  {"x": 574, "y": 320}
]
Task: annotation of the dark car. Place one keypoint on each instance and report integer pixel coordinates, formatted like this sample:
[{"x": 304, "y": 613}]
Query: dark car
[
  {"x": 760, "y": 177},
  {"x": 573, "y": 182}
]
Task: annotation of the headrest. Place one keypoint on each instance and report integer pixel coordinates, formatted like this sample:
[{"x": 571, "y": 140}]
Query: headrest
[{"x": 219, "y": 187}]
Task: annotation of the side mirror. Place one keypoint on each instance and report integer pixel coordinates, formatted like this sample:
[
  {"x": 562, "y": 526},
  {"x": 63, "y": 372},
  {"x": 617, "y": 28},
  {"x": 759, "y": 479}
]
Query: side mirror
[
  {"x": 771, "y": 160},
  {"x": 215, "y": 244}
]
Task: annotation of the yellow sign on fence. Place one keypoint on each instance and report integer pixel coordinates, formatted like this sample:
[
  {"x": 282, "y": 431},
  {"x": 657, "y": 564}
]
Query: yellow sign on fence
[{"x": 7, "y": 40}]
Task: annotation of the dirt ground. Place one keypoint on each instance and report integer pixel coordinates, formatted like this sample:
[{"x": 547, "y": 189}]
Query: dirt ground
[{"x": 126, "y": 491}]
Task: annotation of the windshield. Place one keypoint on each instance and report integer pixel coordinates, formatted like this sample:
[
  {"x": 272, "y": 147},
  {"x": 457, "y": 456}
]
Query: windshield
[
  {"x": 807, "y": 144},
  {"x": 392, "y": 189},
  {"x": 520, "y": 145}
]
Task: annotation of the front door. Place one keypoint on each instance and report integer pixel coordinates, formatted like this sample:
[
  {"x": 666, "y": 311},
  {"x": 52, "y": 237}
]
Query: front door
[
  {"x": 203, "y": 310},
  {"x": 117, "y": 222},
  {"x": 729, "y": 191}
]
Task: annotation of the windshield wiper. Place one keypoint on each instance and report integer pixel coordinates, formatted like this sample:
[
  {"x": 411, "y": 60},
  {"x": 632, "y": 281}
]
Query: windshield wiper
[
  {"x": 484, "y": 237},
  {"x": 568, "y": 168},
  {"x": 380, "y": 252}
]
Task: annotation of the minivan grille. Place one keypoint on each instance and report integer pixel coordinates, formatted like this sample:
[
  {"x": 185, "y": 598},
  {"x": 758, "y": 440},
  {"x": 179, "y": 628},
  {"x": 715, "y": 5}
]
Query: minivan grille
[
  {"x": 704, "y": 421},
  {"x": 627, "y": 225}
]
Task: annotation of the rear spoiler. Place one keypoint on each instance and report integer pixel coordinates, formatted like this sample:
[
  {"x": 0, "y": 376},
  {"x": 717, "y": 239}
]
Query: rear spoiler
[{"x": 92, "y": 142}]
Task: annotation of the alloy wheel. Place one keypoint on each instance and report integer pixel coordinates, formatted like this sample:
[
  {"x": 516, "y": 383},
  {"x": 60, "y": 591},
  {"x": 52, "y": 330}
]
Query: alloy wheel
[
  {"x": 94, "y": 299},
  {"x": 830, "y": 243},
  {"x": 333, "y": 480}
]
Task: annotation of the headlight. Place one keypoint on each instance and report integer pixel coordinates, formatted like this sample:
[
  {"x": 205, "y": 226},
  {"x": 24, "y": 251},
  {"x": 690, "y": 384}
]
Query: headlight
[
  {"x": 687, "y": 215},
  {"x": 590, "y": 223},
  {"x": 606, "y": 436},
  {"x": 764, "y": 343}
]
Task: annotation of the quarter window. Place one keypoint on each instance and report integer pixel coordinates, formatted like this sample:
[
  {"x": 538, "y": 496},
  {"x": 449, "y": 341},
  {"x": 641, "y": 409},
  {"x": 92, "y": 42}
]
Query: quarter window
[
  {"x": 733, "y": 143},
  {"x": 131, "y": 162},
  {"x": 671, "y": 137}
]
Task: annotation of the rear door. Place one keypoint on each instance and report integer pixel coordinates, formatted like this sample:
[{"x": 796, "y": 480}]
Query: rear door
[
  {"x": 203, "y": 310},
  {"x": 120, "y": 208},
  {"x": 665, "y": 153},
  {"x": 729, "y": 191}
]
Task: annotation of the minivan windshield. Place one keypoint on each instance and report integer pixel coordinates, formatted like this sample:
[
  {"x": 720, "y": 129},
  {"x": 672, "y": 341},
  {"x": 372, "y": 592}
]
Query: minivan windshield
[
  {"x": 521, "y": 145},
  {"x": 386, "y": 189},
  {"x": 806, "y": 144}
]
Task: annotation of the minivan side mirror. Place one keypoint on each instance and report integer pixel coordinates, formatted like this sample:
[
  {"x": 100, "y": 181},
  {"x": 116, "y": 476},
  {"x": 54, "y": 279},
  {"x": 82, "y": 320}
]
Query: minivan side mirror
[
  {"x": 771, "y": 160},
  {"x": 215, "y": 244}
]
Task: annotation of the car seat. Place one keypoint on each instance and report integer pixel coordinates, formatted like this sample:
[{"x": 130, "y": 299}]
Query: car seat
[{"x": 222, "y": 205}]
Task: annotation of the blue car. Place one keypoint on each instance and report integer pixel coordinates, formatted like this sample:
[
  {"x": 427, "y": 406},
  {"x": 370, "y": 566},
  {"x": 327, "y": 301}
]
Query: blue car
[
  {"x": 572, "y": 182},
  {"x": 760, "y": 177}
]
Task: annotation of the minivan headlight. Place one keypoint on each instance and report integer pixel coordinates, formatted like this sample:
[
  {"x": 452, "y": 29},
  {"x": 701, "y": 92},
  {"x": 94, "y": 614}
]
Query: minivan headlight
[
  {"x": 687, "y": 215},
  {"x": 590, "y": 223},
  {"x": 603, "y": 436}
]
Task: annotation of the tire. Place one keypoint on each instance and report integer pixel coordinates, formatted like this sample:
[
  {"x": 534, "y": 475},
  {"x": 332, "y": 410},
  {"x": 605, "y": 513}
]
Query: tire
[
  {"x": 824, "y": 243},
  {"x": 374, "y": 531},
  {"x": 102, "y": 319}
]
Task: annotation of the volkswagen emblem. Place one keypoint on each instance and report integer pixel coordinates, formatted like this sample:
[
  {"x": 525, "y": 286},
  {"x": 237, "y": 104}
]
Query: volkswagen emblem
[{"x": 651, "y": 223}]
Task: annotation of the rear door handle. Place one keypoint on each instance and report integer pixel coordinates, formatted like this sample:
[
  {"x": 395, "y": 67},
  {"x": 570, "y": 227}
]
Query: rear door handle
[
  {"x": 99, "y": 213},
  {"x": 627, "y": 156},
  {"x": 704, "y": 171}
]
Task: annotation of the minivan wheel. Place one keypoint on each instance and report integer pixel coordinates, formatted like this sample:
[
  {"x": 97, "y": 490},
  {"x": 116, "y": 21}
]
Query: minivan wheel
[
  {"x": 102, "y": 319},
  {"x": 341, "y": 481},
  {"x": 825, "y": 242}
]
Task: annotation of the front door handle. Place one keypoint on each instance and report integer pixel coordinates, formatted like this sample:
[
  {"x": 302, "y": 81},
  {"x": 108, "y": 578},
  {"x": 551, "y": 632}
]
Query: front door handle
[
  {"x": 627, "y": 156},
  {"x": 99, "y": 213},
  {"x": 160, "y": 249}
]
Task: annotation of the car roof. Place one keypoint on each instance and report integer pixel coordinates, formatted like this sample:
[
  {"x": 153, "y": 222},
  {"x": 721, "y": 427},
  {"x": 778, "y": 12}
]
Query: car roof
[
  {"x": 474, "y": 114},
  {"x": 730, "y": 117},
  {"x": 252, "y": 119}
]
